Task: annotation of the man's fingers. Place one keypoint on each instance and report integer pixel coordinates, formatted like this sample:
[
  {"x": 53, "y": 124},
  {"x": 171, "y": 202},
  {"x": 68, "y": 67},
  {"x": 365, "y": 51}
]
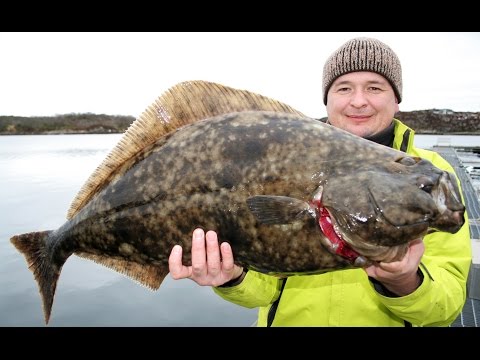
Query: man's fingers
[
  {"x": 227, "y": 257},
  {"x": 198, "y": 253},
  {"x": 177, "y": 269},
  {"x": 213, "y": 254},
  {"x": 417, "y": 248},
  {"x": 411, "y": 259},
  {"x": 371, "y": 271}
]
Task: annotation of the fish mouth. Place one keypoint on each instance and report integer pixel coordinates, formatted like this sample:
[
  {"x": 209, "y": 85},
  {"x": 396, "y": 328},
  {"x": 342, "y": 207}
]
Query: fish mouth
[
  {"x": 448, "y": 201},
  {"x": 386, "y": 233},
  {"x": 388, "y": 250},
  {"x": 379, "y": 214}
]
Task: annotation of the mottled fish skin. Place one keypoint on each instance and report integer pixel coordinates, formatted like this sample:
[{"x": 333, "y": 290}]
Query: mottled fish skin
[{"x": 202, "y": 175}]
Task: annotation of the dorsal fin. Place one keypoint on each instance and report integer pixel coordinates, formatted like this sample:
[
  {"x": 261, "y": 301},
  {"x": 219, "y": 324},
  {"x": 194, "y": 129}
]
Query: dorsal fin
[
  {"x": 182, "y": 104},
  {"x": 147, "y": 275}
]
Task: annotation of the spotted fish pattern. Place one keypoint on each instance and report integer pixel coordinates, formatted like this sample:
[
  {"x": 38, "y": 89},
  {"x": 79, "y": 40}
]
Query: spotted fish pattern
[{"x": 255, "y": 171}]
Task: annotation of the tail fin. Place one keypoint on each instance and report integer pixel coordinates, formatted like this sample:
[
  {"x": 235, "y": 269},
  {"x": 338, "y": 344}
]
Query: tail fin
[{"x": 34, "y": 247}]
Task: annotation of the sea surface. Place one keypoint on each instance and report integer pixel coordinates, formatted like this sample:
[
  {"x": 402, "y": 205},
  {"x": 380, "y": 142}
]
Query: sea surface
[{"x": 39, "y": 177}]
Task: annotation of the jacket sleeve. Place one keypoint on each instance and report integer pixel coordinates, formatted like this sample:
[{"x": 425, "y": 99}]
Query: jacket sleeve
[
  {"x": 441, "y": 296},
  {"x": 256, "y": 290},
  {"x": 446, "y": 263}
]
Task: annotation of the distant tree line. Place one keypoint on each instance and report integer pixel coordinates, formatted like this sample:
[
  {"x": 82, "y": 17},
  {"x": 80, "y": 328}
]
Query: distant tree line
[
  {"x": 64, "y": 124},
  {"x": 433, "y": 121},
  {"x": 441, "y": 121}
]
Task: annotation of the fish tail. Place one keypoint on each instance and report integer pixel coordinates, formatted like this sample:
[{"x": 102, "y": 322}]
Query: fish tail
[{"x": 34, "y": 247}]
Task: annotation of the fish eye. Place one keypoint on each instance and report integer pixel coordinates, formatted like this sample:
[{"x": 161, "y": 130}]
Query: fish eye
[
  {"x": 427, "y": 188},
  {"x": 425, "y": 184}
]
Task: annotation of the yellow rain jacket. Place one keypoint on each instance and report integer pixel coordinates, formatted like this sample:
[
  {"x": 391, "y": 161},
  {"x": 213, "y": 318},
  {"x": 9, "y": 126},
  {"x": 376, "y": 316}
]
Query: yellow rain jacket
[{"x": 349, "y": 298}]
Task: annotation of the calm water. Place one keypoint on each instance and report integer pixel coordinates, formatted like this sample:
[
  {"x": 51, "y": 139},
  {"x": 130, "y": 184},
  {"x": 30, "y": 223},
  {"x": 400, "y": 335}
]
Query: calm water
[
  {"x": 39, "y": 177},
  {"x": 428, "y": 141}
]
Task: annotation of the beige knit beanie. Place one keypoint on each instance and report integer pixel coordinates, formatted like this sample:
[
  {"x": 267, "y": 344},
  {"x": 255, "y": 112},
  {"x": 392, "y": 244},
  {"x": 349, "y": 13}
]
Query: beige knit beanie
[{"x": 363, "y": 54}]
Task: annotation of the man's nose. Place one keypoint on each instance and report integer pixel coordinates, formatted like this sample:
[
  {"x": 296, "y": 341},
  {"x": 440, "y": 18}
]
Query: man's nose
[{"x": 358, "y": 99}]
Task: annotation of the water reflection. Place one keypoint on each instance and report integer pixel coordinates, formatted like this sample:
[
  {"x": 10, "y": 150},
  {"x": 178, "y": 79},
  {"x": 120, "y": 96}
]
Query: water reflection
[{"x": 39, "y": 177}]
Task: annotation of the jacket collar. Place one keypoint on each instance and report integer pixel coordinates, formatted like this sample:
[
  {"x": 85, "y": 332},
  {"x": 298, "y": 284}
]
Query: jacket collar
[
  {"x": 384, "y": 137},
  {"x": 403, "y": 139}
]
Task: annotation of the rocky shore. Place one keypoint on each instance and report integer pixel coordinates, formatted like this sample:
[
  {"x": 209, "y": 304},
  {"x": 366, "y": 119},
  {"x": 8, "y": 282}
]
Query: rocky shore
[
  {"x": 65, "y": 124},
  {"x": 442, "y": 121},
  {"x": 434, "y": 121}
]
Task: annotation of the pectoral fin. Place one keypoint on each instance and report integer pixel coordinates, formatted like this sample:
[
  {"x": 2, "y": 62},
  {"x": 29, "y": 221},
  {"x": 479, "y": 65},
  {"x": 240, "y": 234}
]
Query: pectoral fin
[{"x": 272, "y": 210}]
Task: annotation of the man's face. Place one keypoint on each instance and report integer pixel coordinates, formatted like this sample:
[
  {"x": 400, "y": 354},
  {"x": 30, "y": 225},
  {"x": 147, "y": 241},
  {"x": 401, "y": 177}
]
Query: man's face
[{"x": 362, "y": 103}]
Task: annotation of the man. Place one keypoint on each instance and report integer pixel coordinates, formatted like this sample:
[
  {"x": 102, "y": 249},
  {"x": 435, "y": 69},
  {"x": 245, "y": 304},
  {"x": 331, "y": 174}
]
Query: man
[{"x": 362, "y": 87}]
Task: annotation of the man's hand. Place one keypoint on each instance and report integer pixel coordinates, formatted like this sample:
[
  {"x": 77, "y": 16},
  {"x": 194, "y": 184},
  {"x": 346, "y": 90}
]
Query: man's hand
[
  {"x": 400, "y": 277},
  {"x": 212, "y": 265}
]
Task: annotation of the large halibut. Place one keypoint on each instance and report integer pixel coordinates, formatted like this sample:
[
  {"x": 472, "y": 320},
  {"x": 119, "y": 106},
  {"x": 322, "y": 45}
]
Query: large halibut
[{"x": 291, "y": 194}]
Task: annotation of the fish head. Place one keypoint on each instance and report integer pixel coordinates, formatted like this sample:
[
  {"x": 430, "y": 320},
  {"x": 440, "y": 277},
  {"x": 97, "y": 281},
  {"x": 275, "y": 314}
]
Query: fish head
[{"x": 379, "y": 208}]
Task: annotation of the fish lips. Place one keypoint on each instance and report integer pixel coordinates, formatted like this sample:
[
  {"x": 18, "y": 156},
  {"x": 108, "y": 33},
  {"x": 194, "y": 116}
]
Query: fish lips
[
  {"x": 448, "y": 200},
  {"x": 392, "y": 210},
  {"x": 437, "y": 205}
]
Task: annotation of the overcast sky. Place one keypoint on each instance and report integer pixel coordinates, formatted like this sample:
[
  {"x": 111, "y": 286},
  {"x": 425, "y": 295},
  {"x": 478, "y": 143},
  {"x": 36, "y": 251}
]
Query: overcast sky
[{"x": 123, "y": 73}]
